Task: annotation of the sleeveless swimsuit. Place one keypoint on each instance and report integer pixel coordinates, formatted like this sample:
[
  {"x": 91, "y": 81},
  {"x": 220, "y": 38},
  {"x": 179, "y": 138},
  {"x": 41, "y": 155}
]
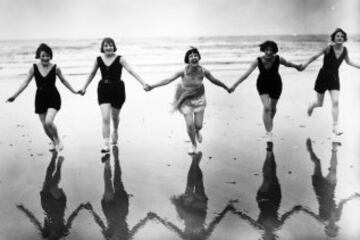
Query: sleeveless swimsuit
[
  {"x": 47, "y": 96},
  {"x": 111, "y": 89},
  {"x": 269, "y": 80},
  {"x": 190, "y": 97},
  {"x": 328, "y": 77}
]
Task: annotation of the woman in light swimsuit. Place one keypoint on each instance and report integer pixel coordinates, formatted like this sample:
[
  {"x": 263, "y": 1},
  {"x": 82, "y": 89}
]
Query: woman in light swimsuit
[{"x": 190, "y": 94}]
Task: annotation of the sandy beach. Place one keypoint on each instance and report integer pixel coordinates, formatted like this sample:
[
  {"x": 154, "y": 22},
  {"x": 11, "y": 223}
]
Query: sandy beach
[{"x": 152, "y": 170}]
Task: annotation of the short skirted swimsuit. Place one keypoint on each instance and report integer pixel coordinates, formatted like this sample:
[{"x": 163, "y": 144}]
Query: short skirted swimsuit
[
  {"x": 47, "y": 96},
  {"x": 328, "y": 77},
  {"x": 269, "y": 80},
  {"x": 190, "y": 98},
  {"x": 111, "y": 89}
]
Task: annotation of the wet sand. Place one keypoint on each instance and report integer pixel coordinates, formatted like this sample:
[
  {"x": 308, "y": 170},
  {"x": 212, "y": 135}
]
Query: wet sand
[{"x": 238, "y": 187}]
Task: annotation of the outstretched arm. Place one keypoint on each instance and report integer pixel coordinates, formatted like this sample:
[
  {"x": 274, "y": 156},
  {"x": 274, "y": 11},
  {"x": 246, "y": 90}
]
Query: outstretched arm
[
  {"x": 63, "y": 80},
  {"x": 167, "y": 80},
  {"x": 286, "y": 63},
  {"x": 214, "y": 80},
  {"x": 97, "y": 218},
  {"x": 253, "y": 65},
  {"x": 73, "y": 215},
  {"x": 23, "y": 85},
  {"x": 313, "y": 58},
  {"x": 90, "y": 78},
  {"x": 130, "y": 69},
  {"x": 350, "y": 62},
  {"x": 30, "y": 215}
]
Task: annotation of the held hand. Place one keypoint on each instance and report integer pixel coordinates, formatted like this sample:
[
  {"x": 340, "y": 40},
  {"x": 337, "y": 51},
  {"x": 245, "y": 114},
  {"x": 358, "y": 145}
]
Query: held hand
[
  {"x": 10, "y": 99},
  {"x": 147, "y": 87},
  {"x": 300, "y": 67},
  {"x": 81, "y": 92}
]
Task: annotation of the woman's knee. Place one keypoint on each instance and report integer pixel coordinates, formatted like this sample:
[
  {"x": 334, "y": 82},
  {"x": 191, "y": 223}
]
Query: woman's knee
[
  {"x": 190, "y": 127},
  {"x": 48, "y": 123},
  {"x": 115, "y": 118},
  {"x": 198, "y": 126},
  {"x": 106, "y": 120},
  {"x": 267, "y": 109},
  {"x": 335, "y": 103}
]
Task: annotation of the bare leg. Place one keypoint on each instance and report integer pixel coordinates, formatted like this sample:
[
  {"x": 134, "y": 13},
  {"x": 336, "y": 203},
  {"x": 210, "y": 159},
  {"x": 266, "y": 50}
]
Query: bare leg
[
  {"x": 190, "y": 126},
  {"x": 49, "y": 123},
  {"x": 317, "y": 103},
  {"x": 267, "y": 112},
  {"x": 199, "y": 118},
  {"x": 334, "y": 95},
  {"x": 273, "y": 103},
  {"x": 115, "y": 112},
  {"x": 47, "y": 131},
  {"x": 105, "y": 113}
]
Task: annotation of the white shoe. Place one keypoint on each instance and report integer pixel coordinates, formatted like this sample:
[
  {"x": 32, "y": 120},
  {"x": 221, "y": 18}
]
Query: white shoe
[
  {"x": 192, "y": 150},
  {"x": 336, "y": 130},
  {"x": 59, "y": 147},
  {"x": 105, "y": 149},
  {"x": 269, "y": 137}
]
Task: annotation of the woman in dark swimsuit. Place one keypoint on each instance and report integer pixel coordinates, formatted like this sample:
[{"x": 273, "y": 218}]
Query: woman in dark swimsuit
[
  {"x": 111, "y": 89},
  {"x": 47, "y": 98},
  {"x": 328, "y": 77},
  {"x": 269, "y": 83}
]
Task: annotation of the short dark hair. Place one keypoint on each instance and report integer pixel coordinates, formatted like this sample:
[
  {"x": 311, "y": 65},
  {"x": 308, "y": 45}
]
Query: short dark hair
[
  {"x": 43, "y": 47},
  {"x": 270, "y": 44},
  {"x": 107, "y": 40},
  {"x": 332, "y": 36},
  {"x": 190, "y": 51}
]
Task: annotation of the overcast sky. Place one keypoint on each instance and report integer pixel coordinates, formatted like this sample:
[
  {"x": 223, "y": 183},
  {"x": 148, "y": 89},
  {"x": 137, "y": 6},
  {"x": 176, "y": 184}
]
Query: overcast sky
[{"x": 150, "y": 18}]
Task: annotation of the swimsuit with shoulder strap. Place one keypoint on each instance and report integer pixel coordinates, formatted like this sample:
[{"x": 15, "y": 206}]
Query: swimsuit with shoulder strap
[
  {"x": 269, "y": 80},
  {"x": 47, "y": 95},
  {"x": 328, "y": 76},
  {"x": 111, "y": 89}
]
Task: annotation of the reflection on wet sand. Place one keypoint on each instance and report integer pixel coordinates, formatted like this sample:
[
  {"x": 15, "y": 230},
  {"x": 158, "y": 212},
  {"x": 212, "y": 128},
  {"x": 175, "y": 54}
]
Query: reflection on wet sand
[
  {"x": 268, "y": 198},
  {"x": 53, "y": 202},
  {"x": 324, "y": 188},
  {"x": 191, "y": 206},
  {"x": 115, "y": 201}
]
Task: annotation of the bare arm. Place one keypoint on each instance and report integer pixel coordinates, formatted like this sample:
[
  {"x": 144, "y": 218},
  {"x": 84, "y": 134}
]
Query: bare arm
[
  {"x": 63, "y": 80},
  {"x": 350, "y": 62},
  {"x": 214, "y": 80},
  {"x": 313, "y": 58},
  {"x": 253, "y": 65},
  {"x": 22, "y": 86},
  {"x": 73, "y": 215},
  {"x": 286, "y": 63},
  {"x": 131, "y": 70},
  {"x": 90, "y": 78},
  {"x": 167, "y": 80},
  {"x": 31, "y": 216}
]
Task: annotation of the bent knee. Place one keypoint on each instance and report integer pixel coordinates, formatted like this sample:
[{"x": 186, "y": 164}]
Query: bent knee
[
  {"x": 335, "y": 103},
  {"x": 267, "y": 109}
]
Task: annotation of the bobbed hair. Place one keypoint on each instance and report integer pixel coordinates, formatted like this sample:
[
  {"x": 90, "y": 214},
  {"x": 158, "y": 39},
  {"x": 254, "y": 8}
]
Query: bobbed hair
[
  {"x": 43, "y": 47},
  {"x": 190, "y": 51},
  {"x": 332, "y": 36},
  {"x": 269, "y": 44},
  {"x": 107, "y": 40}
]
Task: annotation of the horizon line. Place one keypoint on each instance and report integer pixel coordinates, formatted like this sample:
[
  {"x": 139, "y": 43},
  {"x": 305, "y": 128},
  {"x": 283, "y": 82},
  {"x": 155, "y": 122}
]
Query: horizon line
[{"x": 170, "y": 37}]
